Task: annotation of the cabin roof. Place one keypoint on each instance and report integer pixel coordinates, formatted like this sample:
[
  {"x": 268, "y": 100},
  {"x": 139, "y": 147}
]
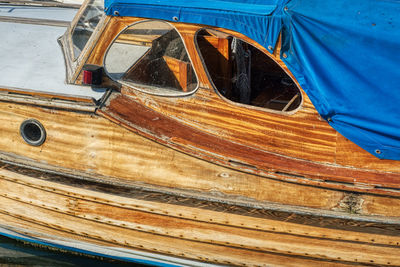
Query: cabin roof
[{"x": 344, "y": 54}]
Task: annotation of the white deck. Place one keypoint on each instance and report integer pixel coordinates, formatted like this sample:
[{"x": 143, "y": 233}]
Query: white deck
[
  {"x": 53, "y": 13},
  {"x": 31, "y": 58}
]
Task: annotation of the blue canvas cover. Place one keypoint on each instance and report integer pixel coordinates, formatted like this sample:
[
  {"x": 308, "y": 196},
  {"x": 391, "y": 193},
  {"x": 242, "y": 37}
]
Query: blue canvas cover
[{"x": 345, "y": 54}]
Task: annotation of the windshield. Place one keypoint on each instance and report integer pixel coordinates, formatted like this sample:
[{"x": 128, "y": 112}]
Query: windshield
[{"x": 86, "y": 25}]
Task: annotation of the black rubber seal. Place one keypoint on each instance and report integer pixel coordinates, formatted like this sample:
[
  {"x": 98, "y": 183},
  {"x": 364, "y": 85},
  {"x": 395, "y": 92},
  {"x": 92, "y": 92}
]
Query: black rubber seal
[{"x": 33, "y": 132}]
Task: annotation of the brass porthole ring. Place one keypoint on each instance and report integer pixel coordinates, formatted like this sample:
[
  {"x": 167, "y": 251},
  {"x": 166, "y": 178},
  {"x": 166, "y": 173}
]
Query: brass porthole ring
[{"x": 33, "y": 132}]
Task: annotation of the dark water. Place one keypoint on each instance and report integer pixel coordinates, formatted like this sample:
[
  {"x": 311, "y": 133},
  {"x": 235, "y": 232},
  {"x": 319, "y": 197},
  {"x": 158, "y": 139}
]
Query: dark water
[{"x": 16, "y": 253}]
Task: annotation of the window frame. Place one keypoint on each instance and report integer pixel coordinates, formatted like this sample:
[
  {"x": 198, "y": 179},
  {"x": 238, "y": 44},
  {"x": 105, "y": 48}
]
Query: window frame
[
  {"x": 74, "y": 24},
  {"x": 264, "y": 51},
  {"x": 138, "y": 88}
]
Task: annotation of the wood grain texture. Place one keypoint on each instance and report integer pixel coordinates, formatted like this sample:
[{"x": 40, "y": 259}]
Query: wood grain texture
[
  {"x": 45, "y": 95},
  {"x": 300, "y": 136},
  {"x": 180, "y": 70},
  {"x": 167, "y": 229},
  {"x": 264, "y": 187},
  {"x": 134, "y": 116},
  {"x": 359, "y": 158},
  {"x": 92, "y": 145},
  {"x": 349, "y": 219},
  {"x": 88, "y": 145}
]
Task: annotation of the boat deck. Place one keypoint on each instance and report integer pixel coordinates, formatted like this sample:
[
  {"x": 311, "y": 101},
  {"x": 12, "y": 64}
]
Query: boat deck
[{"x": 31, "y": 58}]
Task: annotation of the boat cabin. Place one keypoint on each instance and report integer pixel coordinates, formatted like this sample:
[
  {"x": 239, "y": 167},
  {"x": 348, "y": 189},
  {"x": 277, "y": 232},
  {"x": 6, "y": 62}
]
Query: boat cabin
[
  {"x": 151, "y": 56},
  {"x": 238, "y": 134},
  {"x": 220, "y": 82}
]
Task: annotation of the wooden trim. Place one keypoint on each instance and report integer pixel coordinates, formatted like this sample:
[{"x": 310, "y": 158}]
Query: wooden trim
[
  {"x": 26, "y": 92},
  {"x": 48, "y": 100},
  {"x": 180, "y": 70}
]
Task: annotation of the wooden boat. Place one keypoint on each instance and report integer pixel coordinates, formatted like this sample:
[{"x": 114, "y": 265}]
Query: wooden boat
[{"x": 170, "y": 144}]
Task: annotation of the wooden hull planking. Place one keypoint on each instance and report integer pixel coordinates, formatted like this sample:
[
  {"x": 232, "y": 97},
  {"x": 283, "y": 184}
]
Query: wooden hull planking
[
  {"x": 184, "y": 230},
  {"x": 189, "y": 207},
  {"x": 197, "y": 178}
]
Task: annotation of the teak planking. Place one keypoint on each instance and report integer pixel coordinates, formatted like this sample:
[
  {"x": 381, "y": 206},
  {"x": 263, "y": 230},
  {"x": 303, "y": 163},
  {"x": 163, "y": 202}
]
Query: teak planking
[
  {"x": 187, "y": 231},
  {"x": 95, "y": 147}
]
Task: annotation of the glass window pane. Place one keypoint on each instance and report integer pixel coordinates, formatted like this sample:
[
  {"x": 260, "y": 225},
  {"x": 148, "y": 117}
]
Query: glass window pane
[
  {"x": 150, "y": 56},
  {"x": 86, "y": 25}
]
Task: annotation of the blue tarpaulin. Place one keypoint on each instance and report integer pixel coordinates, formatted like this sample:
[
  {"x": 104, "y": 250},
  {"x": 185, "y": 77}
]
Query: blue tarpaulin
[{"x": 345, "y": 54}]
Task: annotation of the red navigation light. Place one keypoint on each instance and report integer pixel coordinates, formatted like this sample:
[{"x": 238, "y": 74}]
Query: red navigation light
[{"x": 92, "y": 74}]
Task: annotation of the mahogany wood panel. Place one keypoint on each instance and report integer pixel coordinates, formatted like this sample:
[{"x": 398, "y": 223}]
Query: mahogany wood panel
[
  {"x": 237, "y": 122},
  {"x": 86, "y": 144},
  {"x": 349, "y": 154},
  {"x": 129, "y": 112},
  {"x": 302, "y": 135},
  {"x": 92, "y": 145},
  {"x": 180, "y": 70}
]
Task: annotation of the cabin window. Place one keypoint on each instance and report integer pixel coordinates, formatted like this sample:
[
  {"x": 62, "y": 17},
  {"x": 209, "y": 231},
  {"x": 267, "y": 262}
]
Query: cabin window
[
  {"x": 85, "y": 26},
  {"x": 150, "y": 56},
  {"x": 244, "y": 74}
]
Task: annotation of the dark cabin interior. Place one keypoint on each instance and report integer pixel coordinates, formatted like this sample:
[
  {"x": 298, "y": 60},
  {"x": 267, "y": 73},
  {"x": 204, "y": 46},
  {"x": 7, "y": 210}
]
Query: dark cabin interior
[{"x": 243, "y": 74}]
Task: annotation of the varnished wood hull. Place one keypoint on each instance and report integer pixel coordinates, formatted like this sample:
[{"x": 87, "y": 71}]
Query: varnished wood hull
[
  {"x": 96, "y": 181},
  {"x": 190, "y": 180},
  {"x": 185, "y": 227}
]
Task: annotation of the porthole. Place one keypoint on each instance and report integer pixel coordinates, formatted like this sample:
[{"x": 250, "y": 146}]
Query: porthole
[{"x": 33, "y": 132}]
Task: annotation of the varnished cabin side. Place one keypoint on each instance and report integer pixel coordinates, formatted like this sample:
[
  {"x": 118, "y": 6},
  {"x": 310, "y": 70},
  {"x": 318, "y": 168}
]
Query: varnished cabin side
[{"x": 251, "y": 139}]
